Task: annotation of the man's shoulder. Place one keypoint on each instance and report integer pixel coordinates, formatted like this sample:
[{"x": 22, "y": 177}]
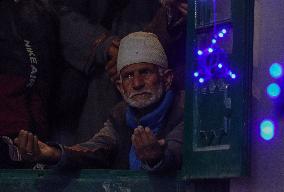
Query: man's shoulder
[
  {"x": 119, "y": 109},
  {"x": 176, "y": 113},
  {"x": 180, "y": 99}
]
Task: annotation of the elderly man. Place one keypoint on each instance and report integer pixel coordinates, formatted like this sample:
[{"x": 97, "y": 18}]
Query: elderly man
[
  {"x": 143, "y": 132},
  {"x": 88, "y": 32}
]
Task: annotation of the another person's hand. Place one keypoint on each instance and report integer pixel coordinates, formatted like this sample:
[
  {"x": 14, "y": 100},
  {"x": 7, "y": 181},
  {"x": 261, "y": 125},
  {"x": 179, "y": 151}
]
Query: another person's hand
[
  {"x": 182, "y": 8},
  {"x": 147, "y": 147},
  {"x": 34, "y": 150},
  {"x": 111, "y": 64}
]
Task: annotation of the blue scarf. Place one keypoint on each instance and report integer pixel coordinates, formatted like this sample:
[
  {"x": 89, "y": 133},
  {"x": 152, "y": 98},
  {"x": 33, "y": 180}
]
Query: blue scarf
[{"x": 152, "y": 120}]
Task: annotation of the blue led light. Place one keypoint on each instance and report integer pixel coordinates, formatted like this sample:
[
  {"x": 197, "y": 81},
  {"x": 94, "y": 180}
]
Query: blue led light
[
  {"x": 214, "y": 41},
  {"x": 233, "y": 76},
  {"x": 275, "y": 70},
  {"x": 273, "y": 90},
  {"x": 210, "y": 50},
  {"x": 221, "y": 35},
  {"x": 220, "y": 65},
  {"x": 230, "y": 73},
  {"x": 196, "y": 74},
  {"x": 199, "y": 52},
  {"x": 224, "y": 31},
  {"x": 201, "y": 80},
  {"x": 267, "y": 130}
]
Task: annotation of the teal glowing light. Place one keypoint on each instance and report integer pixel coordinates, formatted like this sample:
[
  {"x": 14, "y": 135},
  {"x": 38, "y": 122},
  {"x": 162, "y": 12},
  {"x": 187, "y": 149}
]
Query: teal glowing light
[
  {"x": 220, "y": 65},
  {"x": 199, "y": 52},
  {"x": 230, "y": 73},
  {"x": 210, "y": 50},
  {"x": 275, "y": 70},
  {"x": 201, "y": 80},
  {"x": 273, "y": 90},
  {"x": 221, "y": 35},
  {"x": 214, "y": 41},
  {"x": 267, "y": 130},
  {"x": 224, "y": 31},
  {"x": 196, "y": 74},
  {"x": 233, "y": 76}
]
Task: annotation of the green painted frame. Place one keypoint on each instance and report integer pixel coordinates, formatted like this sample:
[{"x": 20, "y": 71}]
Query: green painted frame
[
  {"x": 122, "y": 180},
  {"x": 224, "y": 164},
  {"x": 88, "y": 180}
]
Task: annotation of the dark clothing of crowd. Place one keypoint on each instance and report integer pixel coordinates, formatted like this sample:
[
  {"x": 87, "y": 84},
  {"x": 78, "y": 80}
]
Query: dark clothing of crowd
[
  {"x": 29, "y": 68},
  {"x": 52, "y": 62}
]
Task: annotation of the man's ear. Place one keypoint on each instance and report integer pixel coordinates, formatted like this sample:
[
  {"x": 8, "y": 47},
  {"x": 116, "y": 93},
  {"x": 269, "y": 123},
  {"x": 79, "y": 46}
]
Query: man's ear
[
  {"x": 168, "y": 78},
  {"x": 118, "y": 84}
]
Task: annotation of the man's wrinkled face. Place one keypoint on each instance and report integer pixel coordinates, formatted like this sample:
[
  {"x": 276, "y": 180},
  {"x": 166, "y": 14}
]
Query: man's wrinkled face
[{"x": 141, "y": 84}]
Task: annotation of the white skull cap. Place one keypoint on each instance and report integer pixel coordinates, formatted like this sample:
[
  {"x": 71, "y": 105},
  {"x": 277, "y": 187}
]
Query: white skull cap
[{"x": 141, "y": 47}]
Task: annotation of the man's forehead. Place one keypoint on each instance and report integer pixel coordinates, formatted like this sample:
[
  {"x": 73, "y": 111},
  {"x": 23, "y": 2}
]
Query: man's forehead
[{"x": 137, "y": 66}]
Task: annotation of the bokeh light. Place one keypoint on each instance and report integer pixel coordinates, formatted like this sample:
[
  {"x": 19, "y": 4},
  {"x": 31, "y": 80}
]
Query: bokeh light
[
  {"x": 196, "y": 74},
  {"x": 273, "y": 90},
  {"x": 275, "y": 70},
  {"x": 201, "y": 80},
  {"x": 199, "y": 52},
  {"x": 267, "y": 130}
]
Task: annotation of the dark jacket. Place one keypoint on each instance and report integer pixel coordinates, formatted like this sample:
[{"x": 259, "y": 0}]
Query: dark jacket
[
  {"x": 28, "y": 65},
  {"x": 110, "y": 147},
  {"x": 29, "y": 70}
]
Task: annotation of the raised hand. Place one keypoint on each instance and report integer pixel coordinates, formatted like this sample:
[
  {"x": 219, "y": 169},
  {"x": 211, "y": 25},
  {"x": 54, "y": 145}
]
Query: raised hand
[
  {"x": 34, "y": 150},
  {"x": 183, "y": 8},
  {"x": 111, "y": 64},
  {"x": 147, "y": 147}
]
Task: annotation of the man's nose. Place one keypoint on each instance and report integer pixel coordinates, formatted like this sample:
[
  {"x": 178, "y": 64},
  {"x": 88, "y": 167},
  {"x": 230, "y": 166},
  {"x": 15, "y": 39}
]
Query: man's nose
[{"x": 138, "y": 82}]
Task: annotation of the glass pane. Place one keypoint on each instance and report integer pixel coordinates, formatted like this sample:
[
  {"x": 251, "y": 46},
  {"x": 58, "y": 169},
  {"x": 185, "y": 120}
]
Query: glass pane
[
  {"x": 213, "y": 75},
  {"x": 208, "y": 12}
]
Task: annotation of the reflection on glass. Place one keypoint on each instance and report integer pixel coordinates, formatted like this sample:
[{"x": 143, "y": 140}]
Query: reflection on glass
[
  {"x": 213, "y": 74},
  {"x": 208, "y": 12}
]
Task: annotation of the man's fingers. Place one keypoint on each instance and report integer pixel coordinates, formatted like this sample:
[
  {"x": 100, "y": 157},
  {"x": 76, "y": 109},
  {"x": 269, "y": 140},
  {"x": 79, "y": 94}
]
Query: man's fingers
[
  {"x": 149, "y": 134},
  {"x": 41, "y": 144},
  {"x": 30, "y": 143},
  {"x": 135, "y": 142},
  {"x": 36, "y": 146},
  {"x": 137, "y": 137},
  {"x": 183, "y": 5},
  {"x": 146, "y": 145},
  {"x": 145, "y": 139},
  {"x": 16, "y": 141},
  {"x": 138, "y": 142},
  {"x": 183, "y": 8},
  {"x": 23, "y": 137}
]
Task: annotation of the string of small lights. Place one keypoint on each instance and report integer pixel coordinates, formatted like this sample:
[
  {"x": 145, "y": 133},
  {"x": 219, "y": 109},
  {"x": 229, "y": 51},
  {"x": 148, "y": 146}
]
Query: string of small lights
[
  {"x": 212, "y": 61},
  {"x": 273, "y": 90}
]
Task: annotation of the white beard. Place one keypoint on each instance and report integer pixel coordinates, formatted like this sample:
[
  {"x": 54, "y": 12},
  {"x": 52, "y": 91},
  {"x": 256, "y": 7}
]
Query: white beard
[{"x": 142, "y": 103}]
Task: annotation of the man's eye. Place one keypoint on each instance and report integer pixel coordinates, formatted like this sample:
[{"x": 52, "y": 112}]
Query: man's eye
[{"x": 127, "y": 76}]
